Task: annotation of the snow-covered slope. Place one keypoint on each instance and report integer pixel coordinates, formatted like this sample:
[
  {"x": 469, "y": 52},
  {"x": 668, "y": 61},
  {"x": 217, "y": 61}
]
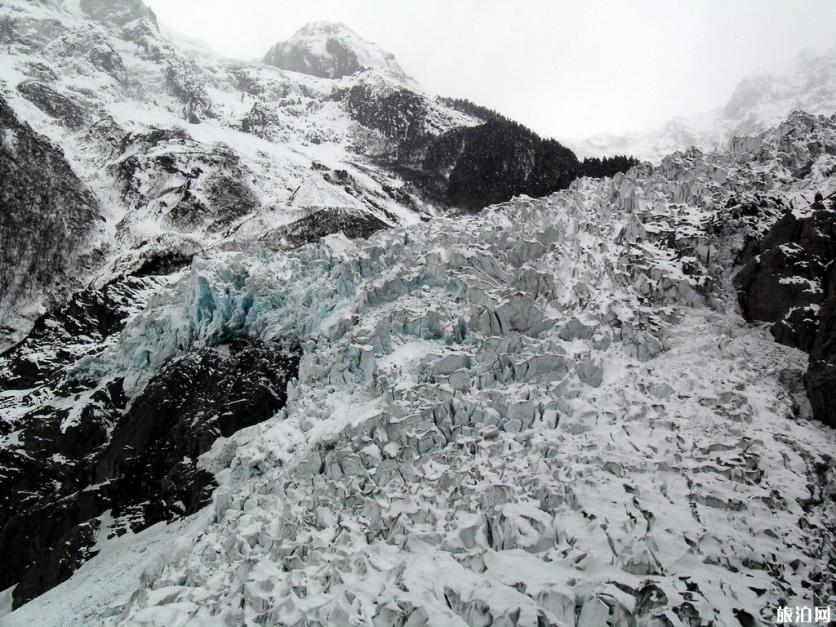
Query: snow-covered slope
[
  {"x": 762, "y": 100},
  {"x": 186, "y": 152},
  {"x": 548, "y": 413}
]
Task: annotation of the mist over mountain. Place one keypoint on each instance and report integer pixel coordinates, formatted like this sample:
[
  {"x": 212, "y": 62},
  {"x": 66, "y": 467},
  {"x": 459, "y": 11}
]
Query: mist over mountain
[
  {"x": 758, "y": 102},
  {"x": 295, "y": 341}
]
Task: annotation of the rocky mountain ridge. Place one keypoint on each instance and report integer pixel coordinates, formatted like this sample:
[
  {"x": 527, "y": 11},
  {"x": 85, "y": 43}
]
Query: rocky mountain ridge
[{"x": 332, "y": 50}]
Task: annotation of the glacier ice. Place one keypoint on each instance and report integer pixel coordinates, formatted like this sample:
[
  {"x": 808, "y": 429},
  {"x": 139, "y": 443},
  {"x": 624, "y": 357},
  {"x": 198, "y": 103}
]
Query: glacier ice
[{"x": 549, "y": 413}]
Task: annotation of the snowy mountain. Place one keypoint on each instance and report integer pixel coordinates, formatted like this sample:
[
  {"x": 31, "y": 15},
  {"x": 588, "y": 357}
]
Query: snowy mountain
[
  {"x": 760, "y": 101},
  {"x": 298, "y": 343},
  {"x": 177, "y": 152}
]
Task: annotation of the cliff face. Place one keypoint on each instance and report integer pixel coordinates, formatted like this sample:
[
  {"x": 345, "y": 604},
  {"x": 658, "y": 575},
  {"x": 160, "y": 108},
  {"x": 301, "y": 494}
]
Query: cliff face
[
  {"x": 332, "y": 50},
  {"x": 46, "y": 215},
  {"x": 787, "y": 279}
]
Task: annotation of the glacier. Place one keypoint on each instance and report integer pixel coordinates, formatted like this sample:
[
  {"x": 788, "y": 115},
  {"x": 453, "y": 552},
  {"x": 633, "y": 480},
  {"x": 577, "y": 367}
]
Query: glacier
[{"x": 549, "y": 413}]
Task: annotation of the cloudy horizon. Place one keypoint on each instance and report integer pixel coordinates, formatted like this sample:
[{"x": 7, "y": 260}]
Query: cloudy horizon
[{"x": 570, "y": 69}]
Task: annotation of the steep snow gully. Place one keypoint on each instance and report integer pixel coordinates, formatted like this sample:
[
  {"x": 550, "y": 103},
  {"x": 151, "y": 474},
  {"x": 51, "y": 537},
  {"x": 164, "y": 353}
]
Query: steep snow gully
[{"x": 519, "y": 397}]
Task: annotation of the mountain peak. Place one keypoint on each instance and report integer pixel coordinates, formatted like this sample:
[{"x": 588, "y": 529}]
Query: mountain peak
[
  {"x": 323, "y": 27},
  {"x": 332, "y": 50}
]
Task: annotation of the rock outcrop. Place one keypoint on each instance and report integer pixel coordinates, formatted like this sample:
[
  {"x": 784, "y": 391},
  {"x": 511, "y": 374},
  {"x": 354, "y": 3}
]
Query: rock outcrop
[
  {"x": 119, "y": 12},
  {"x": 137, "y": 463},
  {"x": 46, "y": 214},
  {"x": 186, "y": 152},
  {"x": 784, "y": 276},
  {"x": 821, "y": 373},
  {"x": 787, "y": 279}
]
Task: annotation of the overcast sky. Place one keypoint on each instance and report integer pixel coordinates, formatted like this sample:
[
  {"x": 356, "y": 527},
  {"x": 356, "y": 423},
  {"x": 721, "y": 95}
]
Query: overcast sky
[{"x": 566, "y": 68}]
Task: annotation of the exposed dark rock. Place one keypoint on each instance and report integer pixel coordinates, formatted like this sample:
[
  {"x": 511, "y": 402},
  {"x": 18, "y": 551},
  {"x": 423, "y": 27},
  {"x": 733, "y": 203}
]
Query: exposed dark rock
[
  {"x": 648, "y": 598},
  {"x": 188, "y": 404},
  {"x": 59, "y": 561},
  {"x": 340, "y": 59},
  {"x": 105, "y": 57},
  {"x": 138, "y": 461},
  {"x": 63, "y": 108},
  {"x": 330, "y": 50},
  {"x": 47, "y": 504},
  {"x": 43, "y": 479},
  {"x": 163, "y": 263},
  {"x": 745, "y": 618},
  {"x": 788, "y": 279},
  {"x": 45, "y": 210},
  {"x": 784, "y": 275},
  {"x": 752, "y": 213},
  {"x": 205, "y": 184},
  {"x": 821, "y": 373},
  {"x": 324, "y": 222},
  {"x": 78, "y": 328},
  {"x": 226, "y": 198}
]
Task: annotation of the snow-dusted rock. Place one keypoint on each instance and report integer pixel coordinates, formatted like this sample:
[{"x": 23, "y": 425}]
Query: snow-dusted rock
[{"x": 186, "y": 153}]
